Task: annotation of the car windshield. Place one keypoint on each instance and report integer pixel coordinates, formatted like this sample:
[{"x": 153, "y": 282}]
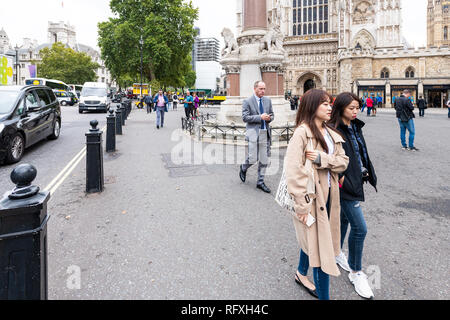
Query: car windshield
[
  {"x": 7, "y": 99},
  {"x": 97, "y": 92}
]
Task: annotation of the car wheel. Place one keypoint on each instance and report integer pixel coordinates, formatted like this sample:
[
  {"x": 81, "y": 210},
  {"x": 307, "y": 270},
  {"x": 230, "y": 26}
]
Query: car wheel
[
  {"x": 64, "y": 103},
  {"x": 16, "y": 149},
  {"x": 80, "y": 111},
  {"x": 56, "y": 130}
]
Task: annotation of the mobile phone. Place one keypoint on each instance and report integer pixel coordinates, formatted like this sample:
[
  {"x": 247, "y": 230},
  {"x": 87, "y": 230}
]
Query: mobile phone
[{"x": 311, "y": 220}]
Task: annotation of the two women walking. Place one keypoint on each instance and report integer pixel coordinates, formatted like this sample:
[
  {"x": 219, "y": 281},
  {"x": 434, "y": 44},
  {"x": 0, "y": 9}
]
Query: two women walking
[{"x": 338, "y": 170}]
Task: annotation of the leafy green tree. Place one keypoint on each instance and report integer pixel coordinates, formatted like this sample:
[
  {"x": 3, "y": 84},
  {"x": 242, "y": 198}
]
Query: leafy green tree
[
  {"x": 190, "y": 78},
  {"x": 66, "y": 65},
  {"x": 167, "y": 28}
]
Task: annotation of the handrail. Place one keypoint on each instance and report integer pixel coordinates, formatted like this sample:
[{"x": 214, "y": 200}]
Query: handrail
[{"x": 214, "y": 130}]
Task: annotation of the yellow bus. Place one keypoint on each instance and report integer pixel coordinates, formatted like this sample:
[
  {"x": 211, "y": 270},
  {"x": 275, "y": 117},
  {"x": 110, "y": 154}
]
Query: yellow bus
[{"x": 137, "y": 89}]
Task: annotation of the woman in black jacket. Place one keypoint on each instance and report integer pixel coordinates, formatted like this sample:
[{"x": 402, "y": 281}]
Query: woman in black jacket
[{"x": 360, "y": 170}]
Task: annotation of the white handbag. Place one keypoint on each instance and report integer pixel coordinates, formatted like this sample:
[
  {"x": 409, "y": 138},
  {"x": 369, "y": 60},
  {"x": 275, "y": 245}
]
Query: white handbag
[{"x": 283, "y": 198}]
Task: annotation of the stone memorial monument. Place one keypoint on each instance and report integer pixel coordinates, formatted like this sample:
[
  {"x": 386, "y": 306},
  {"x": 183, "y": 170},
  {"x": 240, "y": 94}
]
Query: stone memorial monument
[{"x": 256, "y": 54}]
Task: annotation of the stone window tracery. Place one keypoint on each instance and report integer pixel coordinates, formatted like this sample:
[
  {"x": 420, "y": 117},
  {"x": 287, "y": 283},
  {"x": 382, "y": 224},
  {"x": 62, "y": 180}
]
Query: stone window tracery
[
  {"x": 409, "y": 73},
  {"x": 310, "y": 17},
  {"x": 384, "y": 73}
]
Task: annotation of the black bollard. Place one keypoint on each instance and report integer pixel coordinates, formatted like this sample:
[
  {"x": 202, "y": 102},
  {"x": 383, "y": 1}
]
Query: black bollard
[
  {"x": 23, "y": 239},
  {"x": 94, "y": 159},
  {"x": 118, "y": 121},
  {"x": 124, "y": 115},
  {"x": 111, "y": 132},
  {"x": 124, "y": 112},
  {"x": 129, "y": 106}
]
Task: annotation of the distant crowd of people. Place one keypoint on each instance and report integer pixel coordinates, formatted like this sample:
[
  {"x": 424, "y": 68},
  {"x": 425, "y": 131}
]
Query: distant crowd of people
[
  {"x": 372, "y": 102},
  {"x": 163, "y": 102}
]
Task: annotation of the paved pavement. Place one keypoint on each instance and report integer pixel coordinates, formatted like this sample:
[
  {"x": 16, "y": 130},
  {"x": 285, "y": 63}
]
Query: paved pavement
[{"x": 164, "y": 230}]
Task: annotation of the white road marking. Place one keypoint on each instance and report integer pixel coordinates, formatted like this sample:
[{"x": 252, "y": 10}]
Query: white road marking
[{"x": 62, "y": 176}]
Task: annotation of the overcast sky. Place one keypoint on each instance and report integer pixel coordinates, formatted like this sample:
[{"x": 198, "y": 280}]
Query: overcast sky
[{"x": 29, "y": 18}]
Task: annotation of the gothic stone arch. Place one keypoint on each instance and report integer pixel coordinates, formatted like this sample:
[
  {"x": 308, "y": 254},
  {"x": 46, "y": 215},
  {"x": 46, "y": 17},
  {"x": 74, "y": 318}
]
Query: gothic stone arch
[
  {"x": 365, "y": 39},
  {"x": 304, "y": 78}
]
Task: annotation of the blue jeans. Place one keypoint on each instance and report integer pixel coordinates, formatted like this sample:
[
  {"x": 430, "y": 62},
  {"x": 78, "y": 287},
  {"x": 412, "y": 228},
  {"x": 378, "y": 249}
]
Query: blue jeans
[
  {"x": 321, "y": 279},
  {"x": 351, "y": 213},
  {"x": 160, "y": 116},
  {"x": 412, "y": 132},
  {"x": 369, "y": 110},
  {"x": 363, "y": 107},
  {"x": 449, "y": 112}
]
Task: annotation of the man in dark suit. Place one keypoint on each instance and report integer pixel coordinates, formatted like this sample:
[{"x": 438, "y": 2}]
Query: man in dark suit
[{"x": 257, "y": 113}]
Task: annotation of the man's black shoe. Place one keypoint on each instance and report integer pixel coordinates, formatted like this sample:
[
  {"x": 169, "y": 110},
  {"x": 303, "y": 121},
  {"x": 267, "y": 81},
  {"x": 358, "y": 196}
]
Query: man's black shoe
[
  {"x": 264, "y": 188},
  {"x": 157, "y": 127},
  {"x": 242, "y": 174}
]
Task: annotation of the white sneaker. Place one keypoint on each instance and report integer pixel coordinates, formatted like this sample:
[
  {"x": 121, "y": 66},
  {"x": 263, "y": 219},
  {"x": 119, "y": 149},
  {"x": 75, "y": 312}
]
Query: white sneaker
[
  {"x": 359, "y": 280},
  {"x": 342, "y": 261}
]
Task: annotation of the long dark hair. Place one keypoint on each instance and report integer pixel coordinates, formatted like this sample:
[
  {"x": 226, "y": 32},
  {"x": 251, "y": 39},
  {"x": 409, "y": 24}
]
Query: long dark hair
[
  {"x": 307, "y": 110},
  {"x": 342, "y": 101}
]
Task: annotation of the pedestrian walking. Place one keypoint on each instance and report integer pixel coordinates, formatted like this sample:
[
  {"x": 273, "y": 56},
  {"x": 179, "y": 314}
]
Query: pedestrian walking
[
  {"x": 188, "y": 104},
  {"x": 405, "y": 115},
  {"x": 292, "y": 102},
  {"x": 380, "y": 101},
  {"x": 296, "y": 102},
  {"x": 422, "y": 105},
  {"x": 175, "y": 101},
  {"x": 363, "y": 99},
  {"x": 369, "y": 103},
  {"x": 160, "y": 102},
  {"x": 316, "y": 141},
  {"x": 359, "y": 171},
  {"x": 257, "y": 113},
  {"x": 448, "y": 106},
  {"x": 196, "y": 106},
  {"x": 149, "y": 102},
  {"x": 170, "y": 98}
]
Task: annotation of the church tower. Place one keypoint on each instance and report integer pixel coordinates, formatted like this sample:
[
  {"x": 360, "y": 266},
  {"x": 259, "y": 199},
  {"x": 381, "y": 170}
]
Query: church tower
[
  {"x": 438, "y": 23},
  {"x": 62, "y": 32}
]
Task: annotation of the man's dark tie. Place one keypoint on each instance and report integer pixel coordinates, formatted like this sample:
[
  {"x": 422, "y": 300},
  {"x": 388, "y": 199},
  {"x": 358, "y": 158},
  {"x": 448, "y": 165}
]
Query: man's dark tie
[{"x": 261, "y": 110}]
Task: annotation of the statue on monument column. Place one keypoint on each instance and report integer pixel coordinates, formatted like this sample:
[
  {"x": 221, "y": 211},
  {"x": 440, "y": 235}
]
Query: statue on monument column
[
  {"x": 272, "y": 42},
  {"x": 231, "y": 45}
]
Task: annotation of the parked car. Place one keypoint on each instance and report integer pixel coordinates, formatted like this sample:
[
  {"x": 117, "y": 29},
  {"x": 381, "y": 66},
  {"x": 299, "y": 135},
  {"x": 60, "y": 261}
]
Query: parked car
[
  {"x": 28, "y": 114},
  {"x": 94, "y": 97},
  {"x": 65, "y": 98}
]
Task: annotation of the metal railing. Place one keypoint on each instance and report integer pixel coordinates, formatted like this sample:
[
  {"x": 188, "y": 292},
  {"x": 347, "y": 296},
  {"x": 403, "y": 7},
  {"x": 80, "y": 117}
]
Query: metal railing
[{"x": 197, "y": 127}]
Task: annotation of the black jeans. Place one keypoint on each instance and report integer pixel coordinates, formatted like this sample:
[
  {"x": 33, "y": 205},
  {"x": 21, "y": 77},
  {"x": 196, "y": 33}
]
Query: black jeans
[
  {"x": 421, "y": 112},
  {"x": 187, "y": 112}
]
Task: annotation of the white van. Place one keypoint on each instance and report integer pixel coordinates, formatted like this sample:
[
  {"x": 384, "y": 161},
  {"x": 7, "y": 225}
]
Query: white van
[{"x": 94, "y": 97}]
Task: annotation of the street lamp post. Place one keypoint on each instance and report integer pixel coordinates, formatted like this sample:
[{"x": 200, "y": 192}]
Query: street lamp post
[
  {"x": 141, "y": 42},
  {"x": 17, "y": 64}
]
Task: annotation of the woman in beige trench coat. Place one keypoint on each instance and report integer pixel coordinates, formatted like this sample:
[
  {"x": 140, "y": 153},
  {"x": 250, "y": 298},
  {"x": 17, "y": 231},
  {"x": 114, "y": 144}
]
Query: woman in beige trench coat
[{"x": 320, "y": 243}]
